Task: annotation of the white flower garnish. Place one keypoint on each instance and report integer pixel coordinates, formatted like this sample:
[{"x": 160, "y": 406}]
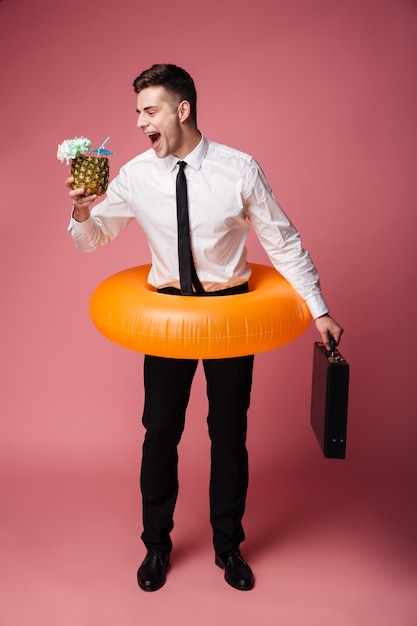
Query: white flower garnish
[{"x": 71, "y": 148}]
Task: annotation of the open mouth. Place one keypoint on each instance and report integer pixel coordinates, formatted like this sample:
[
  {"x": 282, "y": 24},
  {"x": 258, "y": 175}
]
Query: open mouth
[{"x": 154, "y": 137}]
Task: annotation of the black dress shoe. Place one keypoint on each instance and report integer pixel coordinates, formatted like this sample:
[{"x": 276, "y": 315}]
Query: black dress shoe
[
  {"x": 151, "y": 574},
  {"x": 236, "y": 571}
]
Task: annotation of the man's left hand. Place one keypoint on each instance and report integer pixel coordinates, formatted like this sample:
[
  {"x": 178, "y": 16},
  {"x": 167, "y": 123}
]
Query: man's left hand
[{"x": 328, "y": 327}]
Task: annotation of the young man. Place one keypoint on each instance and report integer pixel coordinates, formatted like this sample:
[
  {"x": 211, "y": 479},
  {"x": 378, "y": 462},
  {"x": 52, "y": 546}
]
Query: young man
[{"x": 226, "y": 191}]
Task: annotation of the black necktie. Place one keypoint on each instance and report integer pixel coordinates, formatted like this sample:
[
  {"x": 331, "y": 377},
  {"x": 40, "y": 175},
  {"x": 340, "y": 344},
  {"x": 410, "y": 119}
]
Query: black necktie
[{"x": 188, "y": 274}]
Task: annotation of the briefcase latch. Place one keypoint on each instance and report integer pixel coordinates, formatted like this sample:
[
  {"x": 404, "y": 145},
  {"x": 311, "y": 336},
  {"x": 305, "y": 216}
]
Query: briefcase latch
[{"x": 333, "y": 356}]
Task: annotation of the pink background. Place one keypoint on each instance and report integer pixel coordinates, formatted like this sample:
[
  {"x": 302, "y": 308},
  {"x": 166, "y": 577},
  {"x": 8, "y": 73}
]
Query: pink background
[{"x": 324, "y": 95}]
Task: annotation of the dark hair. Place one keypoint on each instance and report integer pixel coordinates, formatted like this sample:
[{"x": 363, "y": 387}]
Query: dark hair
[{"x": 175, "y": 80}]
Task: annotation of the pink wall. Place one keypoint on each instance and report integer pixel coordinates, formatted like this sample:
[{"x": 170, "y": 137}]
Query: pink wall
[
  {"x": 324, "y": 95},
  {"x": 324, "y": 98}
]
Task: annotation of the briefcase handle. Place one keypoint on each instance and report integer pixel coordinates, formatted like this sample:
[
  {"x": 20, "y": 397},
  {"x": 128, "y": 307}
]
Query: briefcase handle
[{"x": 333, "y": 355}]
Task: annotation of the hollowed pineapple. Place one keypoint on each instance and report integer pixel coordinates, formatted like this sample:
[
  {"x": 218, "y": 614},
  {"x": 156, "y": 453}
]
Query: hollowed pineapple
[{"x": 91, "y": 173}]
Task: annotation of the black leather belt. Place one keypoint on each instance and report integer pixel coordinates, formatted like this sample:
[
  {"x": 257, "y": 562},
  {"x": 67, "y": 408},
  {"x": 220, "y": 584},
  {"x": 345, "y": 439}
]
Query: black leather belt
[{"x": 229, "y": 291}]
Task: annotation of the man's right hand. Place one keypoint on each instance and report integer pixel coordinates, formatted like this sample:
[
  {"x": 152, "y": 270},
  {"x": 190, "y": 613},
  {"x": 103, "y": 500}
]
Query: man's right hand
[{"x": 81, "y": 203}]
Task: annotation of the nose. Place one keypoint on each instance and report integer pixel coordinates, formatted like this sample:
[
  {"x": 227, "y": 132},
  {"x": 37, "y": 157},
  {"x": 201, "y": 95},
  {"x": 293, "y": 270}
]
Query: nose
[{"x": 141, "y": 123}]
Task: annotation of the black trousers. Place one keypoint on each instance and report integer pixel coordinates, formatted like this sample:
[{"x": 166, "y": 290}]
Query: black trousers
[{"x": 167, "y": 391}]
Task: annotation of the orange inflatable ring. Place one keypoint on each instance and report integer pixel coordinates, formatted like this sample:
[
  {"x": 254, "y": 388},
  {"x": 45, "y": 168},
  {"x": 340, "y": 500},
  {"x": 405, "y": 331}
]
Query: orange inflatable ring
[{"x": 134, "y": 315}]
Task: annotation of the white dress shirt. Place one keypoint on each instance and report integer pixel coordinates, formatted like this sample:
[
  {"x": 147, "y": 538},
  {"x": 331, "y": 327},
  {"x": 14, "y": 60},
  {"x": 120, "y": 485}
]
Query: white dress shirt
[{"x": 227, "y": 191}]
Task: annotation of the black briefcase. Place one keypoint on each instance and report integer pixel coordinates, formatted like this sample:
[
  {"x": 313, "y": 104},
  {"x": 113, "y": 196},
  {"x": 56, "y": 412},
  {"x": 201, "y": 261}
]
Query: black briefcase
[{"x": 329, "y": 400}]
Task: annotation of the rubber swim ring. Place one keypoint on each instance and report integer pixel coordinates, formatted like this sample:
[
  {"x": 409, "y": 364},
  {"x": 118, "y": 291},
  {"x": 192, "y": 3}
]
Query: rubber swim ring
[{"x": 134, "y": 315}]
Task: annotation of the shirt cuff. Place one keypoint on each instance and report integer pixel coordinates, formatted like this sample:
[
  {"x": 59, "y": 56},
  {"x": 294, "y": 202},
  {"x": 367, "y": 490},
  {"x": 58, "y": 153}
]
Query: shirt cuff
[
  {"x": 317, "y": 306},
  {"x": 80, "y": 227}
]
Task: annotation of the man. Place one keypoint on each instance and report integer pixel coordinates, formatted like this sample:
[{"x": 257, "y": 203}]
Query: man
[{"x": 226, "y": 191}]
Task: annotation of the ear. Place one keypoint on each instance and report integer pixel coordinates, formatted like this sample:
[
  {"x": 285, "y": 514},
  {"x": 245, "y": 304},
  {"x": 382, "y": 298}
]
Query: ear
[{"x": 184, "y": 111}]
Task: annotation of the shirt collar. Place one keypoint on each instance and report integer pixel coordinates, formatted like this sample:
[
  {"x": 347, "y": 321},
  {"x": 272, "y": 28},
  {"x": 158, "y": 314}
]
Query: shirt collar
[{"x": 194, "y": 159}]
